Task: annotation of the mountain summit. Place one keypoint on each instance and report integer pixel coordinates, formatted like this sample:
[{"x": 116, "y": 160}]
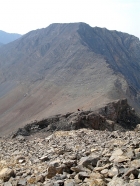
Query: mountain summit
[{"x": 66, "y": 67}]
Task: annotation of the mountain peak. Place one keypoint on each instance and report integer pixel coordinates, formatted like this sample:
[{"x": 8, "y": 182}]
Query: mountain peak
[{"x": 65, "y": 67}]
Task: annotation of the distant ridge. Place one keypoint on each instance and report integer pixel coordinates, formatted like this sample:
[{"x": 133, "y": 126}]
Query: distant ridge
[
  {"x": 66, "y": 67},
  {"x": 8, "y": 37}
]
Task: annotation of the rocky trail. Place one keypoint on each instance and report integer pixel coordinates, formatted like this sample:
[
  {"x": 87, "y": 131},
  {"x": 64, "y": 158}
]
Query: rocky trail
[{"x": 37, "y": 155}]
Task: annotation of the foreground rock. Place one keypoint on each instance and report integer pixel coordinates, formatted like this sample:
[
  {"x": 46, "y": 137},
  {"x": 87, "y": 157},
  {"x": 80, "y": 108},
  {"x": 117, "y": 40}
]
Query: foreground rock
[
  {"x": 77, "y": 157},
  {"x": 6, "y": 174}
]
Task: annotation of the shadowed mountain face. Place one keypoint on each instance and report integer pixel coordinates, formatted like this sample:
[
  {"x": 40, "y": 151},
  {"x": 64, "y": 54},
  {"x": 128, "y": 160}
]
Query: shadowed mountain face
[
  {"x": 7, "y": 37},
  {"x": 65, "y": 67}
]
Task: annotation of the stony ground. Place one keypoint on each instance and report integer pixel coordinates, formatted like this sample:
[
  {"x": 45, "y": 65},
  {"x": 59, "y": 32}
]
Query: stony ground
[{"x": 78, "y": 157}]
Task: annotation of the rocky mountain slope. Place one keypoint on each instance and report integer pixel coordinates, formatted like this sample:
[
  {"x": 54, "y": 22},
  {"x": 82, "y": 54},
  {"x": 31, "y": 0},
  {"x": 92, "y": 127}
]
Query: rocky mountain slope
[
  {"x": 66, "y": 67},
  {"x": 100, "y": 148},
  {"x": 72, "y": 158},
  {"x": 8, "y": 37}
]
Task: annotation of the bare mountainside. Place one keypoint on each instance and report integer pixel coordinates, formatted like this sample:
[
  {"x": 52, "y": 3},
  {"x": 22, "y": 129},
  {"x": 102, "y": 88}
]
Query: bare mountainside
[{"x": 64, "y": 67}]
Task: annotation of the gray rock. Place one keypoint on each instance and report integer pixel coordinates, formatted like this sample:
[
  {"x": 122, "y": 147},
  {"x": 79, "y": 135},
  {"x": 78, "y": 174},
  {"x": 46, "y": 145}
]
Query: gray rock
[
  {"x": 117, "y": 182},
  {"x": 7, "y": 184},
  {"x": 130, "y": 171},
  {"x": 89, "y": 161},
  {"x": 44, "y": 158},
  {"x": 22, "y": 182},
  {"x": 135, "y": 182},
  {"x": 83, "y": 175},
  {"x": 115, "y": 154},
  {"x": 113, "y": 172},
  {"x": 137, "y": 128},
  {"x": 69, "y": 183},
  {"x": 58, "y": 183},
  {"x": 135, "y": 163}
]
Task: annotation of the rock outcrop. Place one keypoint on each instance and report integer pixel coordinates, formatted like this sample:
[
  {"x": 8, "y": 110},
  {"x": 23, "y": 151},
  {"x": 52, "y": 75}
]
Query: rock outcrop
[{"x": 116, "y": 115}]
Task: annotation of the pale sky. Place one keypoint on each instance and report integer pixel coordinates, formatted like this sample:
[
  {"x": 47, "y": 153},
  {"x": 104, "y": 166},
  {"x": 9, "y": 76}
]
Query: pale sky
[{"x": 22, "y": 16}]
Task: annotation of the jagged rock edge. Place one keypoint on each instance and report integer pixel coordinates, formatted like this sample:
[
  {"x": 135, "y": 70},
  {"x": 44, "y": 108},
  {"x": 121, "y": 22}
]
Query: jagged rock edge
[{"x": 117, "y": 115}]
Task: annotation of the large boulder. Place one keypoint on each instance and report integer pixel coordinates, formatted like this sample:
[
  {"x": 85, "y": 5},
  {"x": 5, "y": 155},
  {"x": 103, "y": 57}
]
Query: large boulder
[{"x": 6, "y": 174}]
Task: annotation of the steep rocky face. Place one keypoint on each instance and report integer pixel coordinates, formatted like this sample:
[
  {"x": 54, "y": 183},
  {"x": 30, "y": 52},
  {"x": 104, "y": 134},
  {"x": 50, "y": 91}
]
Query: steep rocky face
[
  {"x": 121, "y": 50},
  {"x": 65, "y": 67}
]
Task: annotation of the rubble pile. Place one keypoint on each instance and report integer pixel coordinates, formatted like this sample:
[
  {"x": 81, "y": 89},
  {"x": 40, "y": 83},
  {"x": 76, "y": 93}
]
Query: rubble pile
[{"x": 78, "y": 157}]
